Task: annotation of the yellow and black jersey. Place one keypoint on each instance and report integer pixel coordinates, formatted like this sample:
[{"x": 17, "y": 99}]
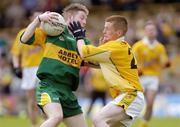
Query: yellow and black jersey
[{"x": 118, "y": 65}]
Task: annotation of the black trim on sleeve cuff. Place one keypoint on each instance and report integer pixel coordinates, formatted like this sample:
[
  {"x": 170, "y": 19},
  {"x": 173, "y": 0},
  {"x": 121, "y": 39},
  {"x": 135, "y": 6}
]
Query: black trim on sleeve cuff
[{"x": 30, "y": 41}]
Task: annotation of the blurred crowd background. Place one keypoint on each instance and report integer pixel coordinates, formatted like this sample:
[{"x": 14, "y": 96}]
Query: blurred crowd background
[{"x": 14, "y": 16}]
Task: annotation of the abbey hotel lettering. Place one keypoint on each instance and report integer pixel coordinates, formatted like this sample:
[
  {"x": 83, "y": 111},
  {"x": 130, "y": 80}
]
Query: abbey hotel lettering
[{"x": 68, "y": 57}]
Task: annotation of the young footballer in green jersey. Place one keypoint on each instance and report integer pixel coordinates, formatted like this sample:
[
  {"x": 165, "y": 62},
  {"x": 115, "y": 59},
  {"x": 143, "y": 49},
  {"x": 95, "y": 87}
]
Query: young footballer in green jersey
[{"x": 59, "y": 68}]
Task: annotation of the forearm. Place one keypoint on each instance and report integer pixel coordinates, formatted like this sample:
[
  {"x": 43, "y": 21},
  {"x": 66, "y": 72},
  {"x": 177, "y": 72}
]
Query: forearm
[
  {"x": 30, "y": 30},
  {"x": 92, "y": 64},
  {"x": 80, "y": 44},
  {"x": 16, "y": 61}
]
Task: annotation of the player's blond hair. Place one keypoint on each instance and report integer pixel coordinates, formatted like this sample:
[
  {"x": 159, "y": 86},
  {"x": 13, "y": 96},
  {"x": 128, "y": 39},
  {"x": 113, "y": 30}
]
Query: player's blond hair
[
  {"x": 119, "y": 22},
  {"x": 73, "y": 8}
]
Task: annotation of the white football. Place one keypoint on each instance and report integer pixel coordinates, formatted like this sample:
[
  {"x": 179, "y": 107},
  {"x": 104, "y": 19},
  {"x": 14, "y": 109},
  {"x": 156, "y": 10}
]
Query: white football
[{"x": 55, "y": 29}]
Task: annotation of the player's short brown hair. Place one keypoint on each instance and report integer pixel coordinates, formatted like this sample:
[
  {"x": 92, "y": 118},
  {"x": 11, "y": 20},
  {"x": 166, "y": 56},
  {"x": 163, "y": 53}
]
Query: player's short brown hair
[
  {"x": 73, "y": 8},
  {"x": 119, "y": 22}
]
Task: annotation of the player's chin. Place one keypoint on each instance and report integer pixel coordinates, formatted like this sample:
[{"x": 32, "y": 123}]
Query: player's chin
[{"x": 83, "y": 25}]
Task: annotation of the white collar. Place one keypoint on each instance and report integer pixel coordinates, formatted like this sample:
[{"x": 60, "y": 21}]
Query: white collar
[
  {"x": 147, "y": 42},
  {"x": 121, "y": 38}
]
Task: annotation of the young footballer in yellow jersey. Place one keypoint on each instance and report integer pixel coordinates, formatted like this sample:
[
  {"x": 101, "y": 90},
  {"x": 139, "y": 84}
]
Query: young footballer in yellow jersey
[
  {"x": 119, "y": 68},
  {"x": 27, "y": 58},
  {"x": 152, "y": 57}
]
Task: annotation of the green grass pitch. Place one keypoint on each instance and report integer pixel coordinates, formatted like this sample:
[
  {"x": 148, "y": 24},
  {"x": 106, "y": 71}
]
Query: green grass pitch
[{"x": 24, "y": 122}]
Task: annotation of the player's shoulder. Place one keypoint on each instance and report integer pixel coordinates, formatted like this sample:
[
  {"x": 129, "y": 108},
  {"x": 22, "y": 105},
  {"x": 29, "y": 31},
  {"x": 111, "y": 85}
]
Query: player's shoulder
[
  {"x": 21, "y": 31},
  {"x": 120, "y": 42},
  {"x": 139, "y": 43},
  {"x": 159, "y": 44},
  {"x": 111, "y": 45}
]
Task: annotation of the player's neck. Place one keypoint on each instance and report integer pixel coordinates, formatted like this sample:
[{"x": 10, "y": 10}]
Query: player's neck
[
  {"x": 151, "y": 40},
  {"x": 121, "y": 38}
]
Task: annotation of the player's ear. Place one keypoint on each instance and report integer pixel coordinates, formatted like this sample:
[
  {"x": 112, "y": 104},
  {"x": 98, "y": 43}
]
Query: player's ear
[
  {"x": 71, "y": 18},
  {"x": 119, "y": 33}
]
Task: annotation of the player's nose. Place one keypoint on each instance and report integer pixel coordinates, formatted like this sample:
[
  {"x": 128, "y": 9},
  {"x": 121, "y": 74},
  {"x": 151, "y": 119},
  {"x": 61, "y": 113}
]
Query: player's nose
[
  {"x": 104, "y": 32},
  {"x": 84, "y": 23}
]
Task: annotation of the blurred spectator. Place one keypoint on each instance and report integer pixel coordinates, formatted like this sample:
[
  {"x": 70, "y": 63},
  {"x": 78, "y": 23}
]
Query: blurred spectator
[
  {"x": 5, "y": 81},
  {"x": 125, "y": 5},
  {"x": 96, "y": 86},
  {"x": 2, "y": 20},
  {"x": 55, "y": 5},
  {"x": 160, "y": 36},
  {"x": 165, "y": 1},
  {"x": 167, "y": 29},
  {"x": 5, "y": 74},
  {"x": 85, "y": 2},
  {"x": 3, "y": 7},
  {"x": 96, "y": 2},
  {"x": 29, "y": 6},
  {"x": 177, "y": 24},
  {"x": 3, "y": 46},
  {"x": 83, "y": 72},
  {"x": 15, "y": 14}
]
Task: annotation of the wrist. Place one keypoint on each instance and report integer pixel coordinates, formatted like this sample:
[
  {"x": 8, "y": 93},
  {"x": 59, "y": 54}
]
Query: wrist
[
  {"x": 39, "y": 19},
  {"x": 79, "y": 38}
]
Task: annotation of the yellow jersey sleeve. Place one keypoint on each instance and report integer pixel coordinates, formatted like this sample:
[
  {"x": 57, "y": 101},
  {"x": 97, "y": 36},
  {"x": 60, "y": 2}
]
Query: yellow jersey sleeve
[
  {"x": 95, "y": 54},
  {"x": 38, "y": 38},
  {"x": 31, "y": 55},
  {"x": 118, "y": 65},
  {"x": 16, "y": 47}
]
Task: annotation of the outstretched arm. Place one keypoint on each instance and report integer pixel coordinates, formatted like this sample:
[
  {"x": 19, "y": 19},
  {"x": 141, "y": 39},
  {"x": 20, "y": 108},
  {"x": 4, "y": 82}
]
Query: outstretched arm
[
  {"x": 45, "y": 17},
  {"x": 80, "y": 44},
  {"x": 92, "y": 64},
  {"x": 88, "y": 52},
  {"x": 30, "y": 30},
  {"x": 79, "y": 34}
]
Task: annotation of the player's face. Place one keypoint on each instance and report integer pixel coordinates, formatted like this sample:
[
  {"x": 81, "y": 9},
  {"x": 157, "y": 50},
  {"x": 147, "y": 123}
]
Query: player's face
[
  {"x": 81, "y": 17},
  {"x": 109, "y": 33},
  {"x": 151, "y": 31}
]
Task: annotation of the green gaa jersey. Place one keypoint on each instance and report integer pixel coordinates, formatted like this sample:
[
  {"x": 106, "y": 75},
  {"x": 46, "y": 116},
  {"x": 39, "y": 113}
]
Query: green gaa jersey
[{"x": 61, "y": 62}]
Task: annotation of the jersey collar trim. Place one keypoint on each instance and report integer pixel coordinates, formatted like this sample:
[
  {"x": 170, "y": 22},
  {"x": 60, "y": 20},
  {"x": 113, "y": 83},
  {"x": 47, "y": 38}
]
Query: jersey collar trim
[
  {"x": 147, "y": 42},
  {"x": 121, "y": 38}
]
